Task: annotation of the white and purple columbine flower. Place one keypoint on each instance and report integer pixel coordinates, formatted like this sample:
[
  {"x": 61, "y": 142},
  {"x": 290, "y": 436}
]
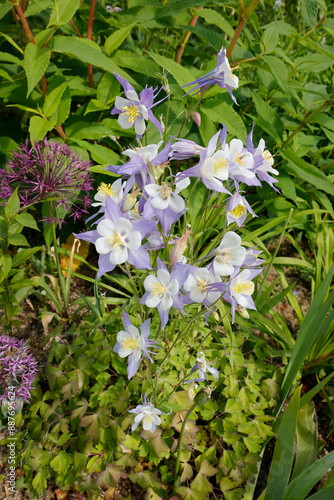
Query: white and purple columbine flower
[
  {"x": 164, "y": 203},
  {"x": 241, "y": 288},
  {"x": 229, "y": 254},
  {"x": 118, "y": 240},
  {"x": 202, "y": 366},
  {"x": 143, "y": 164},
  {"x": 197, "y": 289},
  {"x": 132, "y": 342},
  {"x": 241, "y": 163},
  {"x": 213, "y": 166},
  {"x": 162, "y": 290},
  {"x": 237, "y": 208},
  {"x": 134, "y": 110},
  {"x": 147, "y": 414},
  {"x": 222, "y": 75},
  {"x": 263, "y": 160},
  {"x": 18, "y": 368},
  {"x": 114, "y": 191}
]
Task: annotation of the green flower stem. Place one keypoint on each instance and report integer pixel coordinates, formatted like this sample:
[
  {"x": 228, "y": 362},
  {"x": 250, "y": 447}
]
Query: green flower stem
[
  {"x": 166, "y": 120},
  {"x": 154, "y": 386},
  {"x": 192, "y": 190},
  {"x": 128, "y": 272},
  {"x": 275, "y": 252},
  {"x": 200, "y": 400},
  {"x": 59, "y": 270}
]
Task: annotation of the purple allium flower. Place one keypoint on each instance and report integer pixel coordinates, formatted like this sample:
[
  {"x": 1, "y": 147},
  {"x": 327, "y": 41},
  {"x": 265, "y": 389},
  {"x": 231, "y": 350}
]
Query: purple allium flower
[
  {"x": 17, "y": 368},
  {"x": 148, "y": 414},
  {"x": 49, "y": 171},
  {"x": 133, "y": 342},
  {"x": 134, "y": 110},
  {"x": 222, "y": 75}
]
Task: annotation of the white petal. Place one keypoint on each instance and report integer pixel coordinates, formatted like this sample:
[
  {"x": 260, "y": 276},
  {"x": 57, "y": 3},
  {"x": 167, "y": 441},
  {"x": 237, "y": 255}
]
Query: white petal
[
  {"x": 124, "y": 352},
  {"x": 197, "y": 296},
  {"x": 190, "y": 283},
  {"x": 121, "y": 336},
  {"x": 123, "y": 121},
  {"x": 132, "y": 95},
  {"x": 238, "y": 256},
  {"x": 134, "y": 332},
  {"x": 133, "y": 240},
  {"x": 236, "y": 146},
  {"x": 120, "y": 102},
  {"x": 102, "y": 246},
  {"x": 179, "y": 186},
  {"x": 166, "y": 302},
  {"x": 152, "y": 300},
  {"x": 140, "y": 125},
  {"x": 176, "y": 203},
  {"x": 152, "y": 190},
  {"x": 123, "y": 225},
  {"x": 230, "y": 240},
  {"x": 106, "y": 227},
  {"x": 160, "y": 202},
  {"x": 119, "y": 255},
  {"x": 223, "y": 269},
  {"x": 150, "y": 281}
]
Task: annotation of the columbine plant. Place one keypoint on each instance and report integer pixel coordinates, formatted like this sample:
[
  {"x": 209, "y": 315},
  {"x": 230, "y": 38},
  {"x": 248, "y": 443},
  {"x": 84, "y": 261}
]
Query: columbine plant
[{"x": 179, "y": 273}]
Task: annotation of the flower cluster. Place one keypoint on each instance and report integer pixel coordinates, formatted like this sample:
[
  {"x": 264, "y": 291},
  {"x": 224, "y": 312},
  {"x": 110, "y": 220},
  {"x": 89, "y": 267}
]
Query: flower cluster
[
  {"x": 48, "y": 171},
  {"x": 17, "y": 368},
  {"x": 137, "y": 221}
]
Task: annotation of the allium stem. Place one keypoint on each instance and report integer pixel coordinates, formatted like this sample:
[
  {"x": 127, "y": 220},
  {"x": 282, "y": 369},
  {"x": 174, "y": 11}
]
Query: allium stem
[{"x": 62, "y": 283}]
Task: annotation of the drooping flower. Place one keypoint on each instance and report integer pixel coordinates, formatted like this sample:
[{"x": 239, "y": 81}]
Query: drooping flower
[
  {"x": 183, "y": 149},
  {"x": 18, "y": 369},
  {"x": 49, "y": 171},
  {"x": 263, "y": 161},
  {"x": 147, "y": 414},
  {"x": 237, "y": 208},
  {"x": 134, "y": 110},
  {"x": 241, "y": 288},
  {"x": 132, "y": 342},
  {"x": 118, "y": 240},
  {"x": 222, "y": 75},
  {"x": 202, "y": 366},
  {"x": 229, "y": 254}
]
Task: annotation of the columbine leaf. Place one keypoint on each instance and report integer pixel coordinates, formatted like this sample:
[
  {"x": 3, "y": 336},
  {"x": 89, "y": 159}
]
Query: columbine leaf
[{"x": 36, "y": 62}]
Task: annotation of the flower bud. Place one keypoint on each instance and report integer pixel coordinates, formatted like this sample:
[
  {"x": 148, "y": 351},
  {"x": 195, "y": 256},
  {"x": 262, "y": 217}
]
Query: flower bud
[
  {"x": 242, "y": 311},
  {"x": 179, "y": 248},
  {"x": 130, "y": 201},
  {"x": 201, "y": 398},
  {"x": 197, "y": 118}
]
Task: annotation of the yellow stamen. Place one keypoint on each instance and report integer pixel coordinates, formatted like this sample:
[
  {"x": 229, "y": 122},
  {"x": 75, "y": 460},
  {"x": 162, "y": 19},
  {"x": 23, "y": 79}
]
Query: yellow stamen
[
  {"x": 219, "y": 165},
  {"x": 223, "y": 256},
  {"x": 201, "y": 285},
  {"x": 237, "y": 212},
  {"x": 267, "y": 156},
  {"x": 158, "y": 290},
  {"x": 106, "y": 189},
  {"x": 165, "y": 191},
  {"x": 116, "y": 240},
  {"x": 239, "y": 159},
  {"x": 130, "y": 344},
  {"x": 148, "y": 418},
  {"x": 245, "y": 287},
  {"x": 132, "y": 112}
]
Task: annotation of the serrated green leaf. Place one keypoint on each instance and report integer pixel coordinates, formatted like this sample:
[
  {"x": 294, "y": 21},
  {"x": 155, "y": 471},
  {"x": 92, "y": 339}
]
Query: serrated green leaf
[
  {"x": 309, "y": 10},
  {"x": 279, "y": 71},
  {"x": 268, "y": 119},
  {"x": 12, "y": 205},
  {"x": 24, "y": 255},
  {"x": 138, "y": 63},
  {"x": 63, "y": 11},
  {"x": 88, "y": 52},
  {"x": 26, "y": 220},
  {"x": 18, "y": 240},
  {"x": 36, "y": 61},
  {"x": 306, "y": 171},
  {"x": 5, "y": 264},
  {"x": 61, "y": 462},
  {"x": 38, "y": 128},
  {"x": 115, "y": 39},
  {"x": 270, "y": 37},
  {"x": 39, "y": 482},
  {"x": 37, "y": 6},
  {"x": 52, "y": 100},
  {"x": 223, "y": 113},
  {"x": 182, "y": 75},
  {"x": 214, "y": 38},
  {"x": 213, "y": 17}
]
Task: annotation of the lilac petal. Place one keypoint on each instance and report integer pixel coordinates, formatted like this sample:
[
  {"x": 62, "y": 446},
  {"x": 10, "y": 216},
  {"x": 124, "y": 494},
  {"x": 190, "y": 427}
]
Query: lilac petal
[
  {"x": 249, "y": 141},
  {"x": 113, "y": 211},
  {"x": 212, "y": 145},
  {"x": 167, "y": 217},
  {"x": 139, "y": 258},
  {"x": 223, "y": 135},
  {"x": 145, "y": 329},
  {"x": 90, "y": 236},
  {"x": 105, "y": 265},
  {"x": 153, "y": 119},
  {"x": 126, "y": 320},
  {"x": 180, "y": 272},
  {"x": 144, "y": 227},
  {"x": 146, "y": 97},
  {"x": 213, "y": 371},
  {"x": 163, "y": 155},
  {"x": 125, "y": 84},
  {"x": 163, "y": 317},
  {"x": 132, "y": 367}
]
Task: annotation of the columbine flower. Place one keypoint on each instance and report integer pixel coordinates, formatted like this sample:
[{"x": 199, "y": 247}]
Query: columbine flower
[
  {"x": 202, "y": 366},
  {"x": 222, "y": 75},
  {"x": 134, "y": 110},
  {"x": 147, "y": 414},
  {"x": 197, "y": 286},
  {"x": 263, "y": 160},
  {"x": 132, "y": 343},
  {"x": 17, "y": 368},
  {"x": 114, "y": 191},
  {"x": 184, "y": 149},
  {"x": 50, "y": 171},
  {"x": 213, "y": 166},
  {"x": 241, "y": 163},
  {"x": 118, "y": 240},
  {"x": 240, "y": 290},
  {"x": 237, "y": 208},
  {"x": 229, "y": 254}
]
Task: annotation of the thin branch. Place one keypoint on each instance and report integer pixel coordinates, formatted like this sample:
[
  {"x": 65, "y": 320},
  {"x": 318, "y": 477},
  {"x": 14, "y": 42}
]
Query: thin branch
[
  {"x": 89, "y": 36},
  {"x": 186, "y": 38},
  {"x": 243, "y": 19}
]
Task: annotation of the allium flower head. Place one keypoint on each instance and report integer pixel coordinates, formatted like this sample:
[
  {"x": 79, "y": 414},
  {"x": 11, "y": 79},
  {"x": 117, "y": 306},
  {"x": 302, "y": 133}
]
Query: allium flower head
[
  {"x": 49, "y": 171},
  {"x": 17, "y": 368}
]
